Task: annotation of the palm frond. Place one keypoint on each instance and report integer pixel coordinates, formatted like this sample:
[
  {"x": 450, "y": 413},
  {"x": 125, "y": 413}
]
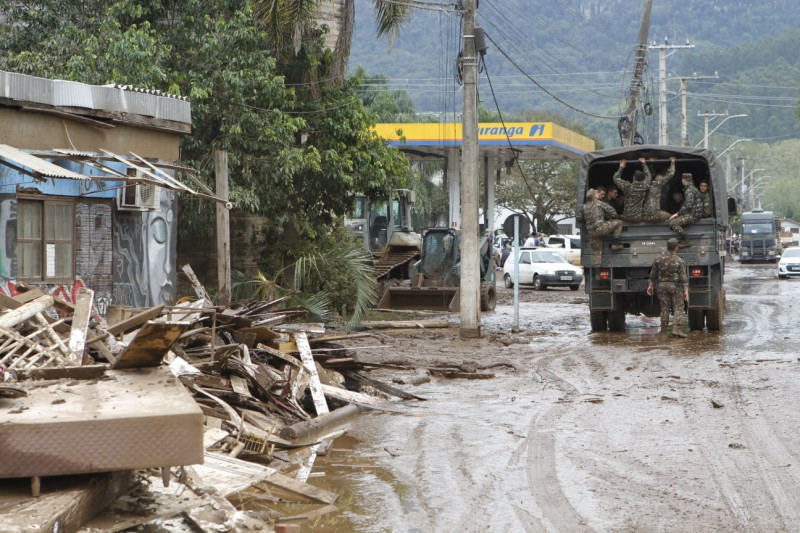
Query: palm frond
[{"x": 390, "y": 18}]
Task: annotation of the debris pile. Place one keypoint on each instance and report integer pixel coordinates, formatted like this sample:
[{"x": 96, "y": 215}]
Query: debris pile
[{"x": 168, "y": 414}]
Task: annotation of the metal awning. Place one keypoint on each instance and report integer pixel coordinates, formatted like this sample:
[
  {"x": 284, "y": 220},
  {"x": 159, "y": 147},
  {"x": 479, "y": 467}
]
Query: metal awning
[
  {"x": 34, "y": 163},
  {"x": 35, "y": 166}
]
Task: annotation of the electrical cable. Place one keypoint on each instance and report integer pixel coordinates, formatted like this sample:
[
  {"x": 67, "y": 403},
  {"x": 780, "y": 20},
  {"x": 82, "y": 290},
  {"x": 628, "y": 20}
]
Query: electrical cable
[{"x": 556, "y": 98}]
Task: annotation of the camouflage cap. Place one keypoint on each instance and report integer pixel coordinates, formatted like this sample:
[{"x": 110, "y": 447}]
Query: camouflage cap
[
  {"x": 672, "y": 243},
  {"x": 686, "y": 175}
]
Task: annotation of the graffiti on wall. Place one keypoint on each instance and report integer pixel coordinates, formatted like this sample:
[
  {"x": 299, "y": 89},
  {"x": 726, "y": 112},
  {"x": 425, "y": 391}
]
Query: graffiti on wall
[{"x": 145, "y": 245}]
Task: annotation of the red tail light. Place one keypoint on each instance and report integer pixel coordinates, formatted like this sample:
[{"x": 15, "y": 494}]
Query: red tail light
[
  {"x": 695, "y": 272},
  {"x": 604, "y": 274}
]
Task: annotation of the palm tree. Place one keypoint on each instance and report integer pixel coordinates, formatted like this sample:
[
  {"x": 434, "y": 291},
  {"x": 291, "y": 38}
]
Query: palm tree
[{"x": 290, "y": 21}]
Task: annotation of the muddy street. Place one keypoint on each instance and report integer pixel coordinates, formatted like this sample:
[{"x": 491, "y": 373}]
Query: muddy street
[{"x": 582, "y": 431}]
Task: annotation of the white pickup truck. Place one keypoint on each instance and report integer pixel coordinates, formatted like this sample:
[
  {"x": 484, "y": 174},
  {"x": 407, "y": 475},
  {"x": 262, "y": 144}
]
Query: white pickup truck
[{"x": 568, "y": 245}]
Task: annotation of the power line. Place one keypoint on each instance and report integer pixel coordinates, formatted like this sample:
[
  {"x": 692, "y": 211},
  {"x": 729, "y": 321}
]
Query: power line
[{"x": 556, "y": 98}]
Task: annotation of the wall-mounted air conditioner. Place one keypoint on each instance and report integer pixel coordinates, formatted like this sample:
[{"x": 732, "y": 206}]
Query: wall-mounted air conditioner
[{"x": 138, "y": 197}]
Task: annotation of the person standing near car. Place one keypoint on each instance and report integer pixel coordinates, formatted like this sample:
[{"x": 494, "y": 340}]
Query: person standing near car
[{"x": 669, "y": 271}]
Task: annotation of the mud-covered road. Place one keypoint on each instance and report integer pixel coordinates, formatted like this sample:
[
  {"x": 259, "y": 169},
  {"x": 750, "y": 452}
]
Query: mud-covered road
[{"x": 582, "y": 431}]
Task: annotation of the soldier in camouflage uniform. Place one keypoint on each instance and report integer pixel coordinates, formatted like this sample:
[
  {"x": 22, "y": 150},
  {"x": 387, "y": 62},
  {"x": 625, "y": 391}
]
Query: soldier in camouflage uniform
[
  {"x": 652, "y": 204},
  {"x": 689, "y": 213},
  {"x": 634, "y": 192},
  {"x": 673, "y": 287},
  {"x": 705, "y": 198},
  {"x": 601, "y": 220}
]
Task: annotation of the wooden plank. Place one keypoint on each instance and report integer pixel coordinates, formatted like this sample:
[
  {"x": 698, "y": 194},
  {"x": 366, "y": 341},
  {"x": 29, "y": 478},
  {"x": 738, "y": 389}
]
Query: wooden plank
[
  {"x": 80, "y": 324},
  {"x": 21, "y": 299},
  {"x": 66, "y": 503},
  {"x": 11, "y": 318},
  {"x": 239, "y": 385},
  {"x": 407, "y": 324},
  {"x": 134, "y": 321},
  {"x": 357, "y": 398},
  {"x": 314, "y": 384},
  {"x": 303, "y": 489},
  {"x": 199, "y": 290},
  {"x": 151, "y": 344}
]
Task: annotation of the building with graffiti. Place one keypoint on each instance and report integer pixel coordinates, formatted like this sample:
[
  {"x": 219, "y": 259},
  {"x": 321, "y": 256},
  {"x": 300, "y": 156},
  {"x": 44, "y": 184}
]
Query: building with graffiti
[{"x": 89, "y": 184}]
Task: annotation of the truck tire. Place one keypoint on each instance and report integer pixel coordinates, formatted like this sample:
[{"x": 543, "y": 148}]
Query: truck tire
[
  {"x": 616, "y": 320},
  {"x": 509, "y": 283},
  {"x": 714, "y": 315},
  {"x": 696, "y": 318},
  {"x": 488, "y": 297},
  {"x": 538, "y": 284},
  {"x": 598, "y": 319}
]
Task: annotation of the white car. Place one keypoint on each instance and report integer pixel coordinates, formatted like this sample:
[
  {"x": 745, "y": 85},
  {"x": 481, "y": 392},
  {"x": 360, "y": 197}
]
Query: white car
[
  {"x": 568, "y": 245},
  {"x": 542, "y": 268},
  {"x": 789, "y": 263}
]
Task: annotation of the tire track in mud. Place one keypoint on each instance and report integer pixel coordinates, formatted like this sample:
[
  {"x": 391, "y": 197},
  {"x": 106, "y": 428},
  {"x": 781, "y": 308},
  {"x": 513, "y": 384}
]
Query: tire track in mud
[
  {"x": 538, "y": 451},
  {"x": 758, "y": 484}
]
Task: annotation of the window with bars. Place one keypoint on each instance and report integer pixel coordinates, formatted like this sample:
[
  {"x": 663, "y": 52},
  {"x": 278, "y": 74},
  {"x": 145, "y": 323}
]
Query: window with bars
[{"x": 45, "y": 239}]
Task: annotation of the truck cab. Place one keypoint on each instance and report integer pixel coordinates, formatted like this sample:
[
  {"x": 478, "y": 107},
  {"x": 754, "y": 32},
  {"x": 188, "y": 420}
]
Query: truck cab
[
  {"x": 617, "y": 286},
  {"x": 759, "y": 241}
]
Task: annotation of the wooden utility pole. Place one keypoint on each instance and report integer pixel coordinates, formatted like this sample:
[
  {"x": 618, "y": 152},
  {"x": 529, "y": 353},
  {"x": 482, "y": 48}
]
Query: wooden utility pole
[
  {"x": 470, "y": 311},
  {"x": 223, "y": 229}
]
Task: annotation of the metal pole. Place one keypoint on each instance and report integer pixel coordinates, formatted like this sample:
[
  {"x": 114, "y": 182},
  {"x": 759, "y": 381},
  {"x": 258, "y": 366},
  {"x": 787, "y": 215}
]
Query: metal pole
[
  {"x": 470, "y": 267},
  {"x": 515, "y": 328},
  {"x": 662, "y": 96}
]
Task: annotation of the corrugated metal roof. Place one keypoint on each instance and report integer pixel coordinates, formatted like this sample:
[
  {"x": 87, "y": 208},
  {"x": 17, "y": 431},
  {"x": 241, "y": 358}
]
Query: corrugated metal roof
[{"x": 38, "y": 167}]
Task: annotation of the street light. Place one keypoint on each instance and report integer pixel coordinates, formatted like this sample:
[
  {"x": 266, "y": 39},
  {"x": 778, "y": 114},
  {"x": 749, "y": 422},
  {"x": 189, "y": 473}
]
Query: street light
[
  {"x": 715, "y": 129},
  {"x": 732, "y": 145}
]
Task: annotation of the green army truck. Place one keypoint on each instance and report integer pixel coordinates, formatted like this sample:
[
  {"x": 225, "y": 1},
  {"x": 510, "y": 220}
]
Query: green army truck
[{"x": 617, "y": 286}]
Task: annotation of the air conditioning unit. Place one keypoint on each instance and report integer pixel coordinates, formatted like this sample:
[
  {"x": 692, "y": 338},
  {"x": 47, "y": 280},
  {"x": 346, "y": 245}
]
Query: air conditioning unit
[{"x": 138, "y": 197}]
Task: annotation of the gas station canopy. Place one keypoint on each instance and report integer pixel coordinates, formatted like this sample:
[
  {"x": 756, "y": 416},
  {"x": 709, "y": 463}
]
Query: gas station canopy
[{"x": 506, "y": 142}]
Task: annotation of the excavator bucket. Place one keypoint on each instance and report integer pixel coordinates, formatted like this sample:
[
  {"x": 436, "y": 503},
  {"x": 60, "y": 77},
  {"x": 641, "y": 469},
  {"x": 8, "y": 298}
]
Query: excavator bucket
[{"x": 420, "y": 298}]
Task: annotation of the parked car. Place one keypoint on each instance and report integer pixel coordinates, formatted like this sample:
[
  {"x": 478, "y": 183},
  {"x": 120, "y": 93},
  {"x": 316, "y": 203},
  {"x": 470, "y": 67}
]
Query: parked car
[
  {"x": 789, "y": 263},
  {"x": 542, "y": 268},
  {"x": 568, "y": 245}
]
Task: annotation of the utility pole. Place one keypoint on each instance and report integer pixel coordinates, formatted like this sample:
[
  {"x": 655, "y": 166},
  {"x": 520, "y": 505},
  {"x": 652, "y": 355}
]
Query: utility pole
[
  {"x": 684, "y": 79},
  {"x": 470, "y": 268},
  {"x": 630, "y": 119},
  {"x": 707, "y": 115},
  {"x": 663, "y": 137}
]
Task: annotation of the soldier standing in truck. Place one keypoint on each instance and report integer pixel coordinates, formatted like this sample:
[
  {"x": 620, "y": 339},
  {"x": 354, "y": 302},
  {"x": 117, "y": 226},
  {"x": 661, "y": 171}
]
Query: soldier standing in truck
[
  {"x": 652, "y": 204},
  {"x": 634, "y": 192},
  {"x": 673, "y": 287},
  {"x": 689, "y": 213}
]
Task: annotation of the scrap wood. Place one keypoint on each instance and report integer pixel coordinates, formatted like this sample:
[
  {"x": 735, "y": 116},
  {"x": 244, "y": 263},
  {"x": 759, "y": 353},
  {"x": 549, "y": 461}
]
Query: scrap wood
[
  {"x": 132, "y": 322},
  {"x": 303, "y": 489},
  {"x": 151, "y": 344},
  {"x": 329, "y": 338},
  {"x": 36, "y": 355},
  {"x": 10, "y": 391},
  {"x": 383, "y": 387},
  {"x": 65, "y": 503},
  {"x": 358, "y": 398},
  {"x": 407, "y": 324},
  {"x": 23, "y": 298},
  {"x": 199, "y": 290},
  {"x": 80, "y": 323},
  {"x": 311, "y": 367}
]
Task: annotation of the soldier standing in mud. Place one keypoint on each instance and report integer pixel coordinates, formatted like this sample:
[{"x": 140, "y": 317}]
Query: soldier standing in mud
[
  {"x": 634, "y": 192},
  {"x": 673, "y": 286},
  {"x": 601, "y": 220},
  {"x": 652, "y": 204},
  {"x": 689, "y": 213}
]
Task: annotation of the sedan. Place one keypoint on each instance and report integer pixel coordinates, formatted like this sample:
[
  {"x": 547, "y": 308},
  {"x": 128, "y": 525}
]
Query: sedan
[
  {"x": 789, "y": 264},
  {"x": 542, "y": 268}
]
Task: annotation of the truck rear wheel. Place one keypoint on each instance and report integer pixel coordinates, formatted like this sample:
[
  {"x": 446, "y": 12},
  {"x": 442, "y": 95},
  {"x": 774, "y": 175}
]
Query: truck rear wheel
[
  {"x": 599, "y": 320},
  {"x": 696, "y": 319},
  {"x": 714, "y": 315},
  {"x": 616, "y": 320},
  {"x": 488, "y": 297}
]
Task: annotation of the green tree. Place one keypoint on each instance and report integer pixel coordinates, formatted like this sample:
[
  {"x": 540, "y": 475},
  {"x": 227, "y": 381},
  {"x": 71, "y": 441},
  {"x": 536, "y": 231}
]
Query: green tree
[
  {"x": 294, "y": 151},
  {"x": 544, "y": 192}
]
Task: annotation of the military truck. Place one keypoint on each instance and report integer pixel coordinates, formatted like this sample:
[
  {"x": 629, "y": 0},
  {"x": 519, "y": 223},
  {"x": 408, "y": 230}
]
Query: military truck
[
  {"x": 759, "y": 242},
  {"x": 617, "y": 286}
]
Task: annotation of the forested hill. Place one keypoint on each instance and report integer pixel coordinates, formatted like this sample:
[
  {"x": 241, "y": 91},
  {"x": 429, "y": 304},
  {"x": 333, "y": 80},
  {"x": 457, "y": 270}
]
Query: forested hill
[{"x": 575, "y": 57}]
